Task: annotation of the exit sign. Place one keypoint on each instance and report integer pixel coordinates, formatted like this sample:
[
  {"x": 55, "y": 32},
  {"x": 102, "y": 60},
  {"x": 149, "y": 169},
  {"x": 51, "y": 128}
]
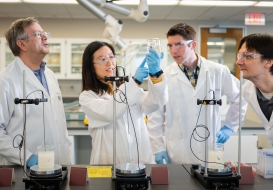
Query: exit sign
[{"x": 254, "y": 19}]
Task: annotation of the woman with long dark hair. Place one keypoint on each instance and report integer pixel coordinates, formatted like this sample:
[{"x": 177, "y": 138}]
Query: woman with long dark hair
[{"x": 132, "y": 103}]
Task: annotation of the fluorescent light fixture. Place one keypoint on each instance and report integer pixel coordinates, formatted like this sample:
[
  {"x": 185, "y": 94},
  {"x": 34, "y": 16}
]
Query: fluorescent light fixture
[
  {"x": 215, "y": 43},
  {"x": 210, "y": 43},
  {"x": 51, "y": 1},
  {"x": 150, "y": 2},
  {"x": 10, "y": 1},
  {"x": 264, "y": 4},
  {"x": 217, "y": 3}
]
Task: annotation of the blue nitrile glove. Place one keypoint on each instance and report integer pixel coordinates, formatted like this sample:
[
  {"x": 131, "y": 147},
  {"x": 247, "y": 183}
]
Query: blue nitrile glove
[
  {"x": 33, "y": 160},
  {"x": 160, "y": 156},
  {"x": 153, "y": 61},
  {"x": 223, "y": 135},
  {"x": 141, "y": 72}
]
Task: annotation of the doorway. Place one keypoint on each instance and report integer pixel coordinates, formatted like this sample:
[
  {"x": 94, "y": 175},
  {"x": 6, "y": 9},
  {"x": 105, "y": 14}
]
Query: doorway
[{"x": 221, "y": 45}]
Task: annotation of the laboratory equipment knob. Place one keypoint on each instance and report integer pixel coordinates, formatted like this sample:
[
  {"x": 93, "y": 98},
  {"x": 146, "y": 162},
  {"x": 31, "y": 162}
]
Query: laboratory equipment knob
[
  {"x": 36, "y": 101},
  {"x": 219, "y": 102},
  {"x": 16, "y": 100},
  {"x": 199, "y": 101}
]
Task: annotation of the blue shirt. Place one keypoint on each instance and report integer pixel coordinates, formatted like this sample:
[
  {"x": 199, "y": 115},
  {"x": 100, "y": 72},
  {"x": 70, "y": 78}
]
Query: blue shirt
[{"x": 41, "y": 75}]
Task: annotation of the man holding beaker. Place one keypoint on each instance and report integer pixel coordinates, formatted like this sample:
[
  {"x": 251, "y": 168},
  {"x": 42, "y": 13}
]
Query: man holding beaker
[
  {"x": 187, "y": 83},
  {"x": 255, "y": 59},
  {"x": 45, "y": 123}
]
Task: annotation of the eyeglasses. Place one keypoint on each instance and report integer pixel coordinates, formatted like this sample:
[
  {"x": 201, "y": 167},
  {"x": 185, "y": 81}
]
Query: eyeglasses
[
  {"x": 104, "y": 61},
  {"x": 248, "y": 56},
  {"x": 38, "y": 34},
  {"x": 178, "y": 45}
]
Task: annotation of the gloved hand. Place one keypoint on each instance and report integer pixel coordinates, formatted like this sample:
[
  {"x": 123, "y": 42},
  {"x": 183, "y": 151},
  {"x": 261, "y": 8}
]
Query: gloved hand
[
  {"x": 223, "y": 135},
  {"x": 153, "y": 61},
  {"x": 160, "y": 156},
  {"x": 141, "y": 72},
  {"x": 33, "y": 160}
]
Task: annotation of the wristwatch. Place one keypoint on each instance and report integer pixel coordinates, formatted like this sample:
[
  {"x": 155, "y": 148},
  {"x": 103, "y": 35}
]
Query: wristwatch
[
  {"x": 137, "y": 81},
  {"x": 156, "y": 75}
]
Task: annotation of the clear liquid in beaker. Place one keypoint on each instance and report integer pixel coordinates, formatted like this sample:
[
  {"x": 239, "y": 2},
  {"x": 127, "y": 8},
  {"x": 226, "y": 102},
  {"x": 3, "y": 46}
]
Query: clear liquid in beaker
[{"x": 154, "y": 43}]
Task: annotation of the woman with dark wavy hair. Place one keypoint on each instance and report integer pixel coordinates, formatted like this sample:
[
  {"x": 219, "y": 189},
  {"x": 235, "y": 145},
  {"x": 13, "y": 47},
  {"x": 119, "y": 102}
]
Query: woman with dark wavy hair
[{"x": 132, "y": 103}]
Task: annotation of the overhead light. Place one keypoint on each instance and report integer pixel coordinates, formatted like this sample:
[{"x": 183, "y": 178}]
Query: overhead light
[
  {"x": 10, "y": 1},
  {"x": 51, "y": 1},
  {"x": 215, "y": 43},
  {"x": 217, "y": 3},
  {"x": 150, "y": 2},
  {"x": 264, "y": 4}
]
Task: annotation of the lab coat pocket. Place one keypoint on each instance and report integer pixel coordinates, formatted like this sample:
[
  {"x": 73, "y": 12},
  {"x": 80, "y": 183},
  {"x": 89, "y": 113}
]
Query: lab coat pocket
[{"x": 176, "y": 151}]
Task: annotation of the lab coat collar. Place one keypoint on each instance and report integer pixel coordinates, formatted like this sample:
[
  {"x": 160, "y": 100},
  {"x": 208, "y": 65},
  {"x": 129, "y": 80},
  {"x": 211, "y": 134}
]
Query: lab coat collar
[
  {"x": 175, "y": 70},
  {"x": 251, "y": 95},
  {"x": 30, "y": 77}
]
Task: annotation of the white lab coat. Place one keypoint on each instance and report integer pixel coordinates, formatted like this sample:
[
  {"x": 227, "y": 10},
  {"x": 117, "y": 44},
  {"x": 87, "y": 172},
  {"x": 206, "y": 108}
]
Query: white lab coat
[
  {"x": 181, "y": 111},
  {"x": 11, "y": 115},
  {"x": 250, "y": 95},
  {"x": 99, "y": 111}
]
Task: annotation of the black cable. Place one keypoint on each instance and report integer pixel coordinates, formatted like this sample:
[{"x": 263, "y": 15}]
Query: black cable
[
  {"x": 22, "y": 140},
  {"x": 204, "y": 138},
  {"x": 128, "y": 108},
  {"x": 43, "y": 110},
  {"x": 48, "y": 187},
  {"x": 124, "y": 100}
]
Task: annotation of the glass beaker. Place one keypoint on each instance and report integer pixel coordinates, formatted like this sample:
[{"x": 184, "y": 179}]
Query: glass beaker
[
  {"x": 46, "y": 156},
  {"x": 154, "y": 43},
  {"x": 216, "y": 154}
]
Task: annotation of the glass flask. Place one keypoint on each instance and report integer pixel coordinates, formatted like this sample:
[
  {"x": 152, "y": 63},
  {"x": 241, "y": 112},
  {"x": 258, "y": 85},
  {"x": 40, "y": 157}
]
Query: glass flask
[
  {"x": 154, "y": 43},
  {"x": 216, "y": 155}
]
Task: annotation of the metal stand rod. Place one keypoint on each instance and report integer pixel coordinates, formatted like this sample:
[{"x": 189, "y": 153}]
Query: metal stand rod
[
  {"x": 114, "y": 126},
  {"x": 24, "y": 122},
  {"x": 240, "y": 124},
  {"x": 206, "y": 132}
]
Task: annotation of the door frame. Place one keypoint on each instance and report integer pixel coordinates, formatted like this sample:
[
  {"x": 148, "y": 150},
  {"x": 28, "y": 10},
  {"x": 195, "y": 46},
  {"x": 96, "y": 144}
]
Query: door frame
[{"x": 244, "y": 33}]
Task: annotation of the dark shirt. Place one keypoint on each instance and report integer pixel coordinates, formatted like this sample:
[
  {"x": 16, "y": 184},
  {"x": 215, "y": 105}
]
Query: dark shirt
[{"x": 265, "y": 104}]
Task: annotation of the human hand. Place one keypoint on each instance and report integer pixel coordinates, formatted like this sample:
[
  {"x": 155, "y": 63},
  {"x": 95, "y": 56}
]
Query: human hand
[
  {"x": 33, "y": 160},
  {"x": 153, "y": 61},
  {"x": 160, "y": 156},
  {"x": 141, "y": 72},
  {"x": 223, "y": 135}
]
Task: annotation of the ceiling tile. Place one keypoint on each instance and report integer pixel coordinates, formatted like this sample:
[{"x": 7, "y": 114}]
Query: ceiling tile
[
  {"x": 78, "y": 11},
  {"x": 17, "y": 10},
  {"x": 220, "y": 13},
  {"x": 241, "y": 15},
  {"x": 160, "y": 12},
  {"x": 187, "y": 12},
  {"x": 50, "y": 11}
]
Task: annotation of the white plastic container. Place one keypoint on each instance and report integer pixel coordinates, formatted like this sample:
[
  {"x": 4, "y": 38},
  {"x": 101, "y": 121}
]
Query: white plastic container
[{"x": 265, "y": 163}]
